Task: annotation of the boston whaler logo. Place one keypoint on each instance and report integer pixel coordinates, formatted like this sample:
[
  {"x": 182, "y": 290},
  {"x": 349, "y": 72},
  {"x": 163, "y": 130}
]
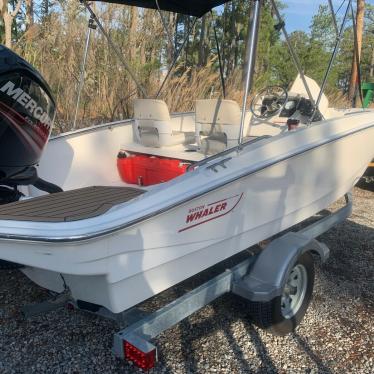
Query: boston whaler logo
[
  {"x": 208, "y": 212},
  {"x": 27, "y": 102}
]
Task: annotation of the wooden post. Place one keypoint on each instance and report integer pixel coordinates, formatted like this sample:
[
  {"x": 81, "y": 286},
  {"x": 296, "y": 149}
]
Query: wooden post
[{"x": 355, "y": 63}]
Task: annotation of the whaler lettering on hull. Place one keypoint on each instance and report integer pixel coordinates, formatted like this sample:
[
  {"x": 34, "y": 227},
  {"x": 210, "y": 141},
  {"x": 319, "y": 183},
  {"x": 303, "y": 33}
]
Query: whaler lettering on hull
[{"x": 210, "y": 211}]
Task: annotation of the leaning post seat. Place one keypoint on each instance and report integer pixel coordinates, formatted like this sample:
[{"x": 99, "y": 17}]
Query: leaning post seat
[
  {"x": 219, "y": 121},
  {"x": 153, "y": 126},
  {"x": 298, "y": 88}
]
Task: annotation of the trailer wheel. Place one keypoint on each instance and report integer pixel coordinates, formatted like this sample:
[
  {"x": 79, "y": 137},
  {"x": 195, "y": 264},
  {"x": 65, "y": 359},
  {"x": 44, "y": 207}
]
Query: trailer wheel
[{"x": 283, "y": 314}]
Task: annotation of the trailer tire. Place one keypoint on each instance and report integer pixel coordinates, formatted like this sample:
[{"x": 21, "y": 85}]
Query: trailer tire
[{"x": 273, "y": 316}]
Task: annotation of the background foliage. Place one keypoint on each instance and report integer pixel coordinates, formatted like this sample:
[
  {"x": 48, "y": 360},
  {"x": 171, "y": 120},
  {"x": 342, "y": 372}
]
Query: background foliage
[{"x": 51, "y": 35}]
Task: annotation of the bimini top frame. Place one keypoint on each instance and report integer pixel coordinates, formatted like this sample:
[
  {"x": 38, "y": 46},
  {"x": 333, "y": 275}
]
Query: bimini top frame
[
  {"x": 198, "y": 8},
  {"x": 195, "y": 8}
]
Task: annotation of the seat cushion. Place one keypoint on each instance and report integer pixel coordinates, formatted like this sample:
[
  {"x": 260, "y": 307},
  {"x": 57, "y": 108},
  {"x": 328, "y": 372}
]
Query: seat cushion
[
  {"x": 151, "y": 109},
  {"x": 218, "y": 112},
  {"x": 153, "y": 139},
  {"x": 185, "y": 137}
]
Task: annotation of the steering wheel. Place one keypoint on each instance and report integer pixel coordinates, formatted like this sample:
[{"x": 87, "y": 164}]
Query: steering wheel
[{"x": 269, "y": 102}]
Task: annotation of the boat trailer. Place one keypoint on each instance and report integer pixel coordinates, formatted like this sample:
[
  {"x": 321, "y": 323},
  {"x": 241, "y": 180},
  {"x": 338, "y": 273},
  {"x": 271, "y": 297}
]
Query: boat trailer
[{"x": 260, "y": 278}]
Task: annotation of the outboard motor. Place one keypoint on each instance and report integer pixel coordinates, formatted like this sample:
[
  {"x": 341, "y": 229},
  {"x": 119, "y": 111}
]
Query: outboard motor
[{"x": 27, "y": 111}]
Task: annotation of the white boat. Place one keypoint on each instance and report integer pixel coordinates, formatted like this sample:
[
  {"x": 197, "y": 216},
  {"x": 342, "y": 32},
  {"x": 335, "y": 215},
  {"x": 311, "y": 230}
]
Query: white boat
[{"x": 114, "y": 244}]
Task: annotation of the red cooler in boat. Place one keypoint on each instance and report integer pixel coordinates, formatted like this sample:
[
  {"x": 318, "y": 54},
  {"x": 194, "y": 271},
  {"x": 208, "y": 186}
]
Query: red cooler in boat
[{"x": 148, "y": 170}]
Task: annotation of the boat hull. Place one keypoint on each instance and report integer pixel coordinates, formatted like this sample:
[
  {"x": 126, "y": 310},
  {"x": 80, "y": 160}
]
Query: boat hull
[{"x": 122, "y": 268}]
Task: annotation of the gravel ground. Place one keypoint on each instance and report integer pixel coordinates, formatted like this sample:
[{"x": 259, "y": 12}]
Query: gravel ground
[{"x": 336, "y": 335}]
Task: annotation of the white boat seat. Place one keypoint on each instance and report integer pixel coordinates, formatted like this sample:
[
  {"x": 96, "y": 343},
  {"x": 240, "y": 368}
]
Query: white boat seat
[
  {"x": 153, "y": 126},
  {"x": 217, "y": 124},
  {"x": 298, "y": 88}
]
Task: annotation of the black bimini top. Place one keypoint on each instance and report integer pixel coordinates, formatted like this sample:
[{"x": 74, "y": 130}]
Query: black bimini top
[{"x": 195, "y": 8}]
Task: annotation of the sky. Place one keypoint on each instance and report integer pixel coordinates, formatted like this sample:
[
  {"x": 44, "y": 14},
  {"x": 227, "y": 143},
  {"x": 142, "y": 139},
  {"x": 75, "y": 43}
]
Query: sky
[{"x": 299, "y": 13}]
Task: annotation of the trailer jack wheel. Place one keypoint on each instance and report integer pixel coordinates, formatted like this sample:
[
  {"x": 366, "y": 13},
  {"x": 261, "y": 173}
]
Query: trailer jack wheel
[{"x": 284, "y": 313}]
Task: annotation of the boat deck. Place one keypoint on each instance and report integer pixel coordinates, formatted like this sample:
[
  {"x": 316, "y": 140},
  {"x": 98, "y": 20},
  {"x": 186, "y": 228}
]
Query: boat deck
[
  {"x": 180, "y": 151},
  {"x": 69, "y": 206}
]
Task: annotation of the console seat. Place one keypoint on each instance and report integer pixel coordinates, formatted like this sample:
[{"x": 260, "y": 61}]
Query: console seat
[
  {"x": 217, "y": 125},
  {"x": 153, "y": 125}
]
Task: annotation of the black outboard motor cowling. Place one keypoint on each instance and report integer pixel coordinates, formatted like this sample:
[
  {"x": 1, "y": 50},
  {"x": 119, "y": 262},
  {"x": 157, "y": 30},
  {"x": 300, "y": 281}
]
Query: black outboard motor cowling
[{"x": 27, "y": 111}]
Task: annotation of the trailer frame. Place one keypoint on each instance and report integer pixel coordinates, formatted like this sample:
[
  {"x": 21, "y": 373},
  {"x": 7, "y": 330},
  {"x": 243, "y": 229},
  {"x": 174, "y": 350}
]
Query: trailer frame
[
  {"x": 259, "y": 278},
  {"x": 136, "y": 339}
]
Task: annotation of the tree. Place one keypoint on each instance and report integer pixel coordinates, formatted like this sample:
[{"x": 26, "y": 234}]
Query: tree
[
  {"x": 322, "y": 29},
  {"x": 203, "y": 43},
  {"x": 8, "y": 18},
  {"x": 29, "y": 19},
  {"x": 55, "y": 46},
  {"x": 357, "y": 57},
  {"x": 367, "y": 60},
  {"x": 372, "y": 63}
]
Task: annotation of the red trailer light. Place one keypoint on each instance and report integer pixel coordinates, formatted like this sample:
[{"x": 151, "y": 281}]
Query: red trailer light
[{"x": 144, "y": 360}]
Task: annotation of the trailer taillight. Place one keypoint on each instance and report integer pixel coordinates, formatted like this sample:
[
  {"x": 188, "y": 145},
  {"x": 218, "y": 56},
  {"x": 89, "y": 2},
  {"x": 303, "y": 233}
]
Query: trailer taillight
[{"x": 144, "y": 360}]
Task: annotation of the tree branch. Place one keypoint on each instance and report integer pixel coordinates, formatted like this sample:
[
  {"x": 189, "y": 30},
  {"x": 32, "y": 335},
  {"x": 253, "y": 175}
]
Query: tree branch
[
  {"x": 16, "y": 9},
  {"x": 2, "y": 7}
]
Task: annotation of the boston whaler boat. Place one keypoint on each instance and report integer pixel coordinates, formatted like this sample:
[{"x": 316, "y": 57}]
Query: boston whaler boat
[{"x": 111, "y": 235}]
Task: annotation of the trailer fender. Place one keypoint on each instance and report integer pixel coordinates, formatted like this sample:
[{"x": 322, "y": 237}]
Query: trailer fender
[{"x": 267, "y": 277}]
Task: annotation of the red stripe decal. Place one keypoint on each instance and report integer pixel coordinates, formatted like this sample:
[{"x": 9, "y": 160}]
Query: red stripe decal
[{"x": 221, "y": 201}]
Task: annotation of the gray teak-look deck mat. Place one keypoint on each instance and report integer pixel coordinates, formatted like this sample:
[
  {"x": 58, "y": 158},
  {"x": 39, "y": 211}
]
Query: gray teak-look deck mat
[{"x": 68, "y": 206}]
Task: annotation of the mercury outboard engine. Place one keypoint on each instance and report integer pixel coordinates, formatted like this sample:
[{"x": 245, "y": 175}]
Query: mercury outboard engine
[{"x": 27, "y": 111}]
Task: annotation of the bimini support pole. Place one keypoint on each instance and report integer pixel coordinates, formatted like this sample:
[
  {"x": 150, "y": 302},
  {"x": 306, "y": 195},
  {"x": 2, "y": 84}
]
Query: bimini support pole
[
  {"x": 91, "y": 26},
  {"x": 334, "y": 17},
  {"x": 294, "y": 56},
  {"x": 251, "y": 57},
  {"x": 176, "y": 57},
  {"x": 170, "y": 39},
  {"x": 331, "y": 62},
  {"x": 114, "y": 47},
  {"x": 223, "y": 86}
]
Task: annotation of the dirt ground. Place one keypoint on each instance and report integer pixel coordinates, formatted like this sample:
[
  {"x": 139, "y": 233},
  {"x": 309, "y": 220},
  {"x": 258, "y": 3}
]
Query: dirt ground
[{"x": 336, "y": 335}]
